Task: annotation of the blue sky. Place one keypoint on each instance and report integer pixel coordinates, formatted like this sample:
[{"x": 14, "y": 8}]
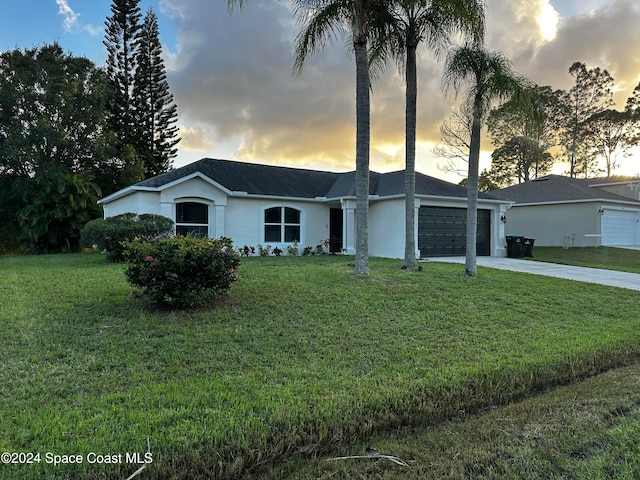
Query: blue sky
[
  {"x": 231, "y": 75},
  {"x": 77, "y": 25}
]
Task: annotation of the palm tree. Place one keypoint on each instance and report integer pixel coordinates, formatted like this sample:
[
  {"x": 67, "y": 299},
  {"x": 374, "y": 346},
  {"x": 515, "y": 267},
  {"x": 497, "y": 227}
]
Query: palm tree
[
  {"x": 409, "y": 23},
  {"x": 320, "y": 20},
  {"x": 486, "y": 76}
]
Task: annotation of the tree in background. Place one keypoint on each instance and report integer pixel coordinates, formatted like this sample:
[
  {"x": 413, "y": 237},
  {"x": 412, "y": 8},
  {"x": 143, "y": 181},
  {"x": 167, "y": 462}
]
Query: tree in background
[
  {"x": 141, "y": 113},
  {"x": 156, "y": 113},
  {"x": 518, "y": 160},
  {"x": 485, "y": 76},
  {"x": 611, "y": 134},
  {"x": 633, "y": 111},
  {"x": 121, "y": 40},
  {"x": 455, "y": 139},
  {"x": 56, "y": 210},
  {"x": 52, "y": 108},
  {"x": 485, "y": 182},
  {"x": 524, "y": 136},
  {"x": 408, "y": 24},
  {"x": 633, "y": 102},
  {"x": 591, "y": 94}
]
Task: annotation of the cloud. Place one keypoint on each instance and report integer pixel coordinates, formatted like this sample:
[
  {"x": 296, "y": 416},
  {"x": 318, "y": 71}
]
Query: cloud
[
  {"x": 231, "y": 76},
  {"x": 195, "y": 138},
  {"x": 606, "y": 37},
  {"x": 70, "y": 17},
  {"x": 70, "y": 20}
]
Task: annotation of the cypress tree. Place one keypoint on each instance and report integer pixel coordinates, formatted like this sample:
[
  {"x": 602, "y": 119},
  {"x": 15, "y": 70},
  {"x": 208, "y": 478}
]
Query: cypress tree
[{"x": 156, "y": 113}]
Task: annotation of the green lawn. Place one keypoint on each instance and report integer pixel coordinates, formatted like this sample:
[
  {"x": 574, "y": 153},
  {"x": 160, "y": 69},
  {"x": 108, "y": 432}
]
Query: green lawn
[
  {"x": 301, "y": 356},
  {"x": 588, "y": 430},
  {"x": 610, "y": 258}
]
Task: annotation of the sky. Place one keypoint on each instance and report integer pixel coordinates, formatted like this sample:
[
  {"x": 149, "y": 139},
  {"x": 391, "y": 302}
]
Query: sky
[{"x": 232, "y": 77}]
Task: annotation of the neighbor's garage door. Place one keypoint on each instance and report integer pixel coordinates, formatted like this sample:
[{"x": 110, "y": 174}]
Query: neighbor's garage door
[
  {"x": 442, "y": 232},
  {"x": 619, "y": 227}
]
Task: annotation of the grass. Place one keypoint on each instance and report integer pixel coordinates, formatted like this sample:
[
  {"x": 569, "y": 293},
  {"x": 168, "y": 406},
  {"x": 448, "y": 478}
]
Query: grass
[
  {"x": 587, "y": 430},
  {"x": 299, "y": 359},
  {"x": 610, "y": 258}
]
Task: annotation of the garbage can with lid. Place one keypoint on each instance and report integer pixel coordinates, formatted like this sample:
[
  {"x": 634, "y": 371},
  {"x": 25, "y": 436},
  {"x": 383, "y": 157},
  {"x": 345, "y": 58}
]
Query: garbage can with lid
[
  {"x": 527, "y": 246},
  {"x": 514, "y": 246}
]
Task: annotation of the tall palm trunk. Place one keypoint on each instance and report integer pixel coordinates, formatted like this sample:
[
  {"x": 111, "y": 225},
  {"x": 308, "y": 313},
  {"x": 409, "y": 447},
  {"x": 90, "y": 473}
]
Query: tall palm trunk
[
  {"x": 410, "y": 157},
  {"x": 362, "y": 156},
  {"x": 472, "y": 190}
]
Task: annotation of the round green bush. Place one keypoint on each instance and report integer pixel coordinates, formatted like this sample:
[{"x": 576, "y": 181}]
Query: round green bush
[
  {"x": 108, "y": 234},
  {"x": 181, "y": 272}
]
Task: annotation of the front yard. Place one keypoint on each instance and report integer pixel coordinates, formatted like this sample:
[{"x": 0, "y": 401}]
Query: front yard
[{"x": 300, "y": 359}]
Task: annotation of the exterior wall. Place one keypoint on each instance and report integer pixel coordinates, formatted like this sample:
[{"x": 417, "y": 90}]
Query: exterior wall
[
  {"x": 245, "y": 222},
  {"x": 387, "y": 225},
  {"x": 242, "y": 217},
  {"x": 137, "y": 202},
  {"x": 630, "y": 190},
  {"x": 197, "y": 190},
  {"x": 558, "y": 225},
  {"x": 387, "y": 228}
]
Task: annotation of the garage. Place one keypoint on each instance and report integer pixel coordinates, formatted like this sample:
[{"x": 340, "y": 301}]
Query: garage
[
  {"x": 442, "y": 232},
  {"x": 619, "y": 227}
]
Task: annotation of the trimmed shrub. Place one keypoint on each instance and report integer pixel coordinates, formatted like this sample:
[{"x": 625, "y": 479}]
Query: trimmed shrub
[
  {"x": 181, "y": 272},
  {"x": 108, "y": 234}
]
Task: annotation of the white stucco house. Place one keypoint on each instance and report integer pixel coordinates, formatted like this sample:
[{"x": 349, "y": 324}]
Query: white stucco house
[
  {"x": 257, "y": 204},
  {"x": 563, "y": 211}
]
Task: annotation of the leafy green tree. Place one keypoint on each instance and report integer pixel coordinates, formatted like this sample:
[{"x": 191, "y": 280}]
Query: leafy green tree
[
  {"x": 57, "y": 208},
  {"x": 156, "y": 113},
  {"x": 486, "y": 182},
  {"x": 633, "y": 111},
  {"x": 121, "y": 40},
  {"x": 12, "y": 190},
  {"x": 518, "y": 160},
  {"x": 526, "y": 134},
  {"x": 52, "y": 108},
  {"x": 633, "y": 102},
  {"x": 485, "y": 76},
  {"x": 611, "y": 134},
  {"x": 591, "y": 94},
  {"x": 408, "y": 24}
]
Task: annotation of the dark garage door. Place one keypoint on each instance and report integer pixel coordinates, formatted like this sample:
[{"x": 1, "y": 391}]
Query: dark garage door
[{"x": 442, "y": 232}]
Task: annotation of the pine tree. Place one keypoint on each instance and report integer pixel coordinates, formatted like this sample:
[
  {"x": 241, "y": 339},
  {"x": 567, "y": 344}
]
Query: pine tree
[
  {"x": 121, "y": 40},
  {"x": 156, "y": 113}
]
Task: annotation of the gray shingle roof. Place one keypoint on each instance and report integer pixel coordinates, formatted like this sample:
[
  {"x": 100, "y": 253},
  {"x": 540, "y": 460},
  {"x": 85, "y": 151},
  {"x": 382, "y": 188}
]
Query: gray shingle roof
[
  {"x": 257, "y": 179},
  {"x": 557, "y": 188},
  {"x": 253, "y": 178}
]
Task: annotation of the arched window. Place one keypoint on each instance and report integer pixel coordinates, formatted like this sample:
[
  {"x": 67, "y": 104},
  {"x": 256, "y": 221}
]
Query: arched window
[
  {"x": 192, "y": 217},
  {"x": 281, "y": 225}
]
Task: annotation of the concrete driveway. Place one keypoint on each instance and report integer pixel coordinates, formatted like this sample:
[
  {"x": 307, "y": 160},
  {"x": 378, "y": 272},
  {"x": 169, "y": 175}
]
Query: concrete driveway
[{"x": 582, "y": 274}]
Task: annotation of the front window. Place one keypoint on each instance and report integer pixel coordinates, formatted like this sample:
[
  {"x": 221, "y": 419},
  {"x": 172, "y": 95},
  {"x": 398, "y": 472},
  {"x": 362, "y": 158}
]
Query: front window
[
  {"x": 281, "y": 224},
  {"x": 192, "y": 217}
]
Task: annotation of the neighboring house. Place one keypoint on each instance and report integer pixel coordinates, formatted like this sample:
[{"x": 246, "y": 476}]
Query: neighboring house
[
  {"x": 268, "y": 205},
  {"x": 563, "y": 211}
]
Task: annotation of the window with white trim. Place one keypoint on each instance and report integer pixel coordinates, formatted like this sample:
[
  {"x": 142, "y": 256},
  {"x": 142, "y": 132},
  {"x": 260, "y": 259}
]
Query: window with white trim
[
  {"x": 281, "y": 225},
  {"x": 192, "y": 217}
]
